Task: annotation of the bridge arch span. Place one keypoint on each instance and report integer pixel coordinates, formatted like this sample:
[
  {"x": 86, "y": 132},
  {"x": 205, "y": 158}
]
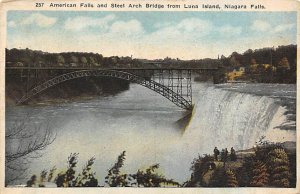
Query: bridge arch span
[{"x": 152, "y": 85}]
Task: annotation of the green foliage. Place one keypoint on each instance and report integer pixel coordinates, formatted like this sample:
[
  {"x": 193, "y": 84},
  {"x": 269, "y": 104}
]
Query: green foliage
[
  {"x": 269, "y": 166},
  {"x": 245, "y": 173},
  {"x": 114, "y": 177},
  {"x": 83, "y": 60},
  {"x": 260, "y": 177},
  {"x": 69, "y": 179},
  {"x": 66, "y": 179},
  {"x": 263, "y": 149},
  {"x": 231, "y": 179},
  {"x": 149, "y": 178},
  {"x": 87, "y": 178},
  {"x": 51, "y": 173},
  {"x": 199, "y": 167},
  {"x": 43, "y": 178},
  {"x": 73, "y": 59},
  {"x": 223, "y": 178},
  {"x": 282, "y": 61},
  {"x": 218, "y": 178},
  {"x": 32, "y": 181},
  {"x": 60, "y": 60},
  {"x": 278, "y": 164}
]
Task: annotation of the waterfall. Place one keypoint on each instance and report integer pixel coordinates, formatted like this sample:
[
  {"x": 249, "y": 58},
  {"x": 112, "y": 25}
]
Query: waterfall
[
  {"x": 225, "y": 118},
  {"x": 146, "y": 128}
]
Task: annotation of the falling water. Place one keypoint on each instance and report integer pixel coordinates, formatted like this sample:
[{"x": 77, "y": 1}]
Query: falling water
[
  {"x": 143, "y": 123},
  {"x": 230, "y": 119}
]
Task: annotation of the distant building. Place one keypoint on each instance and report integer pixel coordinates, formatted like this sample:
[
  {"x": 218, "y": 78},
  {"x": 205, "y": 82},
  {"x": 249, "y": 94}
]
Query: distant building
[
  {"x": 242, "y": 69},
  {"x": 266, "y": 66},
  {"x": 236, "y": 74}
]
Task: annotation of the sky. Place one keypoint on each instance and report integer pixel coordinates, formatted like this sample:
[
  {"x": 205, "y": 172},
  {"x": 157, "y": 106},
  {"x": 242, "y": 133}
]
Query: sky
[{"x": 151, "y": 35}]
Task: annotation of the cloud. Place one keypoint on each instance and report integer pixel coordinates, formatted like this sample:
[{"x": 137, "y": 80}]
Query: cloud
[
  {"x": 283, "y": 27},
  {"x": 259, "y": 25},
  {"x": 82, "y": 22},
  {"x": 262, "y": 26},
  {"x": 12, "y": 24},
  {"x": 194, "y": 27},
  {"x": 188, "y": 38},
  {"x": 162, "y": 24},
  {"x": 39, "y": 20},
  {"x": 127, "y": 27},
  {"x": 228, "y": 30},
  {"x": 186, "y": 30}
]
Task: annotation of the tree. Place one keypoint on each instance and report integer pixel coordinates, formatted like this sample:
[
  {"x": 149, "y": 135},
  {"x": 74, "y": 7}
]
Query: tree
[
  {"x": 283, "y": 70},
  {"x": 74, "y": 59},
  {"x": 29, "y": 141},
  {"x": 43, "y": 178},
  {"x": 278, "y": 164},
  {"x": 92, "y": 60},
  {"x": 149, "y": 178},
  {"x": 25, "y": 57},
  {"x": 38, "y": 60},
  {"x": 199, "y": 167},
  {"x": 98, "y": 58},
  {"x": 284, "y": 63},
  {"x": 253, "y": 61},
  {"x": 114, "y": 177},
  {"x": 218, "y": 178},
  {"x": 231, "y": 179},
  {"x": 50, "y": 58},
  {"x": 83, "y": 60},
  {"x": 32, "y": 182},
  {"x": 245, "y": 173},
  {"x": 87, "y": 178},
  {"x": 67, "y": 178},
  {"x": 51, "y": 173},
  {"x": 260, "y": 175},
  {"x": 60, "y": 60}
]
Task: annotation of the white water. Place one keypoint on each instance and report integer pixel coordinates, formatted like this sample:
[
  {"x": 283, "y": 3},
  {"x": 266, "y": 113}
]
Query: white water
[
  {"x": 228, "y": 119},
  {"x": 225, "y": 118},
  {"x": 143, "y": 123}
]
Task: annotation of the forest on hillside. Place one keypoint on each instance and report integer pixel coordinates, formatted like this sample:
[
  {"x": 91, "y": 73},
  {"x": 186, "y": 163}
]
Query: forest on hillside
[
  {"x": 271, "y": 65},
  {"x": 268, "y": 65}
]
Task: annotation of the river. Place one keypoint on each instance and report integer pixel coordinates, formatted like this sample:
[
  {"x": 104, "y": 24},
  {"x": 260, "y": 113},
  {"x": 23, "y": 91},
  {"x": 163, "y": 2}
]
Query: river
[{"x": 144, "y": 124}]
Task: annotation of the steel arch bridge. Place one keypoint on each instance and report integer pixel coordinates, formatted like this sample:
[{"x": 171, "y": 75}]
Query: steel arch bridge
[{"x": 177, "y": 97}]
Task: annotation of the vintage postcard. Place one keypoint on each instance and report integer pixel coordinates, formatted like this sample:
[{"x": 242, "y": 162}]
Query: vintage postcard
[{"x": 150, "y": 96}]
